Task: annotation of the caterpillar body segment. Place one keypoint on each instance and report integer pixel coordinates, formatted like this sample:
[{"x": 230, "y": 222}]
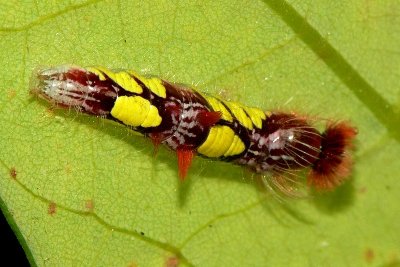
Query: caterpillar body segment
[{"x": 190, "y": 123}]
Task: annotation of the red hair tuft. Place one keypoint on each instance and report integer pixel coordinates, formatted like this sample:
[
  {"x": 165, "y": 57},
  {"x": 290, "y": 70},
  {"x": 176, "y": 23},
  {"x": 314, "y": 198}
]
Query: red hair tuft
[{"x": 334, "y": 163}]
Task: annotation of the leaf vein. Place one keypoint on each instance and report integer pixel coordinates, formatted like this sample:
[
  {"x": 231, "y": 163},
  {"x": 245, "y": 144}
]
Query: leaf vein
[
  {"x": 159, "y": 244},
  {"x": 365, "y": 93}
]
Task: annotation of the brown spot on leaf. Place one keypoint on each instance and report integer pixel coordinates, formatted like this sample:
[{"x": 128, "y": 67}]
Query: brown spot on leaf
[
  {"x": 172, "y": 262},
  {"x": 362, "y": 190},
  {"x": 11, "y": 94},
  {"x": 89, "y": 205},
  {"x": 68, "y": 168},
  {"x": 132, "y": 264},
  {"x": 369, "y": 255},
  {"x": 52, "y": 208},
  {"x": 13, "y": 173}
]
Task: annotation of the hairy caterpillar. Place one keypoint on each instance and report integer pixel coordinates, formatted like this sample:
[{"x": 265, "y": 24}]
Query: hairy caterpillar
[{"x": 190, "y": 122}]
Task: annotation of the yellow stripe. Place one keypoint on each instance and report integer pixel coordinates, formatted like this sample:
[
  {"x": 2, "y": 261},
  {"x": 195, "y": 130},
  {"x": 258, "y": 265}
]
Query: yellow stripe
[
  {"x": 136, "y": 111},
  {"x": 152, "y": 119},
  {"x": 218, "y": 106},
  {"x": 154, "y": 84},
  {"x": 222, "y": 138},
  {"x": 122, "y": 78},
  {"x": 239, "y": 114},
  {"x": 207, "y": 146},
  {"x": 97, "y": 72},
  {"x": 236, "y": 147},
  {"x": 221, "y": 141},
  {"x": 256, "y": 116}
]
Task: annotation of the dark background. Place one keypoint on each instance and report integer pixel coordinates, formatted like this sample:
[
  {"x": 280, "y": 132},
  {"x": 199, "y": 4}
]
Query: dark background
[{"x": 11, "y": 253}]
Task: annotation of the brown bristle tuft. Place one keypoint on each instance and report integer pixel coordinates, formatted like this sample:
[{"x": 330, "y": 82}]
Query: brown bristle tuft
[{"x": 334, "y": 163}]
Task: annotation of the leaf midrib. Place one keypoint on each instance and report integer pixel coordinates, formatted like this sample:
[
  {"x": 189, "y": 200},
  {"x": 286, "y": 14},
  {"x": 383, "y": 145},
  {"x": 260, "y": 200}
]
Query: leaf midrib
[{"x": 335, "y": 61}]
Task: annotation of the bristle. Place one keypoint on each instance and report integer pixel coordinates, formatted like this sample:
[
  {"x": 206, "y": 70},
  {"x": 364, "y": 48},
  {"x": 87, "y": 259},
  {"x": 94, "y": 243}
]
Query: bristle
[{"x": 334, "y": 163}]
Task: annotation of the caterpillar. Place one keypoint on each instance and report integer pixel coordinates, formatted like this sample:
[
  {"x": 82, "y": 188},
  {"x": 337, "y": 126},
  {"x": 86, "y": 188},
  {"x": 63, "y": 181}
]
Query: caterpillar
[{"x": 190, "y": 122}]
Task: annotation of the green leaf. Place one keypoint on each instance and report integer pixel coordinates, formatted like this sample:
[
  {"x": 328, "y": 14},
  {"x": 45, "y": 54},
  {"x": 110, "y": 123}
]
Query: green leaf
[{"x": 82, "y": 191}]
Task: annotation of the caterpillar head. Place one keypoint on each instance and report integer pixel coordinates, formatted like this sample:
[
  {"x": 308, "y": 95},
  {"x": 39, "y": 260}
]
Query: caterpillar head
[{"x": 74, "y": 87}]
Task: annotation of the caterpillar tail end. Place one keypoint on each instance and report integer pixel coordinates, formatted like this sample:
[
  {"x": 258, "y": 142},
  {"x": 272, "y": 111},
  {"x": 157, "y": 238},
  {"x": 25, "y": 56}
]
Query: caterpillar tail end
[{"x": 334, "y": 163}]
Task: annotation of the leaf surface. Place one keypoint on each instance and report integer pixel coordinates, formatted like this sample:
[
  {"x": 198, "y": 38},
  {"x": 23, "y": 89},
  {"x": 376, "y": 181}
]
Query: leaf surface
[{"x": 78, "y": 190}]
